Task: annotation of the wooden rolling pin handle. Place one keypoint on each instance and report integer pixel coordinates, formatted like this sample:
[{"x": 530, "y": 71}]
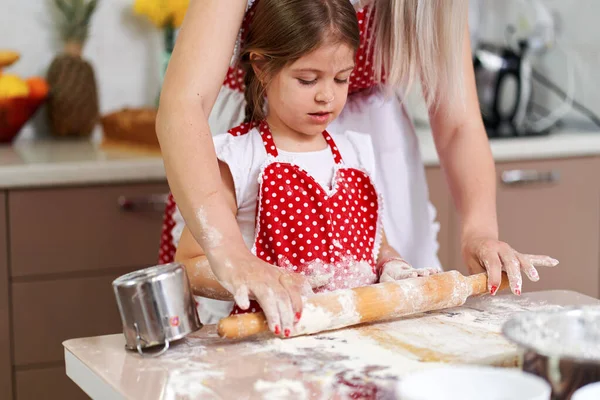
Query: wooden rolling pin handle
[
  {"x": 479, "y": 283},
  {"x": 249, "y": 324},
  {"x": 242, "y": 325}
]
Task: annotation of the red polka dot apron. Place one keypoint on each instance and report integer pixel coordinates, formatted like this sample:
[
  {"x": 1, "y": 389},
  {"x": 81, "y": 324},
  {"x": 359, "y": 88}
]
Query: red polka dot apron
[{"x": 327, "y": 232}]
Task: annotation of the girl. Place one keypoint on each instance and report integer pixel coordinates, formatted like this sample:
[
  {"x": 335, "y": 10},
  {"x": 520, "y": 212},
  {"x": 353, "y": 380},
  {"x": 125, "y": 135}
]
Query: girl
[
  {"x": 304, "y": 198},
  {"x": 401, "y": 40}
]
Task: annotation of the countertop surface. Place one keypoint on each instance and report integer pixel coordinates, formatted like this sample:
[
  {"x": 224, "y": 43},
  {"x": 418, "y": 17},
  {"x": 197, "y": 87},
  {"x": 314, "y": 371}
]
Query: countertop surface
[
  {"x": 35, "y": 163},
  {"x": 38, "y": 163},
  {"x": 360, "y": 362}
]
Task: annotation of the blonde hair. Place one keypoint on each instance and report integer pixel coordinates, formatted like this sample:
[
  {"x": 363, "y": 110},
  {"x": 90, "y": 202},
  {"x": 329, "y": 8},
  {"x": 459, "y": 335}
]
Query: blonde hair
[
  {"x": 420, "y": 39},
  {"x": 282, "y": 31}
]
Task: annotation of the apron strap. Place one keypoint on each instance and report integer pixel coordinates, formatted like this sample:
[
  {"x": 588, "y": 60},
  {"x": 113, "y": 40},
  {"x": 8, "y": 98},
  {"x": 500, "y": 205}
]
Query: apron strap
[{"x": 269, "y": 143}]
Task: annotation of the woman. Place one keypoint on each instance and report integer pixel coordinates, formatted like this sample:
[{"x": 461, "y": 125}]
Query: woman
[{"x": 406, "y": 39}]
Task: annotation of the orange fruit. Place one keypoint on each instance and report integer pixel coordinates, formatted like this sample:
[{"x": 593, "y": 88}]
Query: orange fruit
[{"x": 38, "y": 87}]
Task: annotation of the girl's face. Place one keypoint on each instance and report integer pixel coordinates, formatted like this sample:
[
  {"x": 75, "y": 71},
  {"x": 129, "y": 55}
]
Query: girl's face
[{"x": 307, "y": 95}]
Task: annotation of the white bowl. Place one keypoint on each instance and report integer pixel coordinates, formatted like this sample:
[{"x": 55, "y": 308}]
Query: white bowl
[
  {"x": 472, "y": 383},
  {"x": 587, "y": 392}
]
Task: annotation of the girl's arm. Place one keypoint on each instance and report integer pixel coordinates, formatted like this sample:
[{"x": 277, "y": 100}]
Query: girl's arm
[
  {"x": 392, "y": 267},
  {"x": 196, "y": 71},
  {"x": 467, "y": 162}
]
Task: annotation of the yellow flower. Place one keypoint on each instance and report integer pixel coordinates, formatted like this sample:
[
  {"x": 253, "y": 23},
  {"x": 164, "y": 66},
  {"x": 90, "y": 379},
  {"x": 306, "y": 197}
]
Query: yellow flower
[
  {"x": 160, "y": 12},
  {"x": 178, "y": 10}
]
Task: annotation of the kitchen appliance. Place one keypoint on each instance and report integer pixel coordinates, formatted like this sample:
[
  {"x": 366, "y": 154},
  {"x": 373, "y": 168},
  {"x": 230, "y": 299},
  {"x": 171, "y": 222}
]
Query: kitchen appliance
[
  {"x": 504, "y": 88},
  {"x": 156, "y": 306},
  {"x": 559, "y": 345},
  {"x": 503, "y": 75}
]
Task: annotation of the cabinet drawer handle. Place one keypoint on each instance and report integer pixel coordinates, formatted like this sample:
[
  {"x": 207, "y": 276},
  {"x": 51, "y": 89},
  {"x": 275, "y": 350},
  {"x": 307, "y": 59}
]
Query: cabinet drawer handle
[
  {"x": 525, "y": 177},
  {"x": 153, "y": 202}
]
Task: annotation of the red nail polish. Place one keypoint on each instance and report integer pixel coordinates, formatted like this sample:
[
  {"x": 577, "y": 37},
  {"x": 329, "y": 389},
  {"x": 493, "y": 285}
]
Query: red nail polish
[
  {"x": 494, "y": 289},
  {"x": 287, "y": 333},
  {"x": 277, "y": 330},
  {"x": 298, "y": 316},
  {"x": 518, "y": 292}
]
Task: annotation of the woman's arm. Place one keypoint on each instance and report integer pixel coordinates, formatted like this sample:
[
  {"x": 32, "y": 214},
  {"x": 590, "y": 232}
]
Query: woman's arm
[
  {"x": 467, "y": 161},
  {"x": 196, "y": 71},
  {"x": 192, "y": 256}
]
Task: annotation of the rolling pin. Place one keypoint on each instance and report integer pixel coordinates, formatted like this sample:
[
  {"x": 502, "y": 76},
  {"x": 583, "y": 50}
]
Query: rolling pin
[{"x": 378, "y": 302}]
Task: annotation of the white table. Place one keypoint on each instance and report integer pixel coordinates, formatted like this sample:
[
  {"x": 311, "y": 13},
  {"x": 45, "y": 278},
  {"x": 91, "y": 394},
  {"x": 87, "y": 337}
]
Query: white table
[{"x": 367, "y": 360}]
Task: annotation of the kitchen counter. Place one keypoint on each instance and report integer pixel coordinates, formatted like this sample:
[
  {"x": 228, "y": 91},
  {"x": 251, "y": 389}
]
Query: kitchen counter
[
  {"x": 360, "y": 362},
  {"x": 38, "y": 163},
  {"x": 568, "y": 142}
]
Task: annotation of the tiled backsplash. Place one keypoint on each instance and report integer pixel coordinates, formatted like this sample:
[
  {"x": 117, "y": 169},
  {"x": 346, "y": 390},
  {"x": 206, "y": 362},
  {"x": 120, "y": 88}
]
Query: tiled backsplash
[{"x": 125, "y": 50}]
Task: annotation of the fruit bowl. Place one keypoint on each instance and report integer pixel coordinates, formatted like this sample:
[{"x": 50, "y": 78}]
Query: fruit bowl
[
  {"x": 14, "y": 114},
  {"x": 19, "y": 98}
]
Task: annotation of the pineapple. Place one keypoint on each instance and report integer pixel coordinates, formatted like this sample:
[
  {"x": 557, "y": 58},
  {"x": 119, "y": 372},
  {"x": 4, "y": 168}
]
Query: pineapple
[{"x": 73, "y": 103}]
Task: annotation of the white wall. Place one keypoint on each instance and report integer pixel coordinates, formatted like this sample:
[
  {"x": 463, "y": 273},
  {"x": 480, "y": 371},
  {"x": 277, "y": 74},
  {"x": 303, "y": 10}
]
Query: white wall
[
  {"x": 123, "y": 48},
  {"x": 578, "y": 44}
]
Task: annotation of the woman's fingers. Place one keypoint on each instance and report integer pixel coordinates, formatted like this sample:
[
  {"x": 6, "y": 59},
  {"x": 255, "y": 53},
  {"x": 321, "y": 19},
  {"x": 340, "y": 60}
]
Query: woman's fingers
[
  {"x": 541, "y": 261},
  {"x": 295, "y": 286},
  {"x": 512, "y": 266},
  {"x": 490, "y": 260},
  {"x": 241, "y": 297},
  {"x": 286, "y": 314},
  {"x": 528, "y": 268},
  {"x": 269, "y": 303}
]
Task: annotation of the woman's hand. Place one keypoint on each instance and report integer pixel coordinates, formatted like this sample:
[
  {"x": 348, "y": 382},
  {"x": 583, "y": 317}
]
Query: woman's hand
[
  {"x": 278, "y": 292},
  {"x": 494, "y": 256},
  {"x": 397, "y": 269}
]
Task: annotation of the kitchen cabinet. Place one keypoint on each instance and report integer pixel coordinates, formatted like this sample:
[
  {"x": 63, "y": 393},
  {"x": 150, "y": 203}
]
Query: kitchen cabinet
[
  {"x": 439, "y": 196},
  {"x": 46, "y": 383},
  {"x": 553, "y": 207},
  {"x": 82, "y": 229},
  {"x": 5, "y": 362},
  {"x": 66, "y": 246},
  {"x": 547, "y": 207},
  {"x": 52, "y": 311}
]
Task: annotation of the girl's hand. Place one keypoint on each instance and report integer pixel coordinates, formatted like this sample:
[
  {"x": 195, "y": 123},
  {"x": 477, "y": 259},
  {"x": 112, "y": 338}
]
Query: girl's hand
[
  {"x": 397, "y": 269},
  {"x": 494, "y": 256},
  {"x": 278, "y": 292}
]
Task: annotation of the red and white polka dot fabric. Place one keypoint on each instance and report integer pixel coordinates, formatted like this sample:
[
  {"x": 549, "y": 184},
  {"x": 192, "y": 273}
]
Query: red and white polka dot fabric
[
  {"x": 166, "y": 252},
  {"x": 363, "y": 76},
  {"x": 312, "y": 230}
]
